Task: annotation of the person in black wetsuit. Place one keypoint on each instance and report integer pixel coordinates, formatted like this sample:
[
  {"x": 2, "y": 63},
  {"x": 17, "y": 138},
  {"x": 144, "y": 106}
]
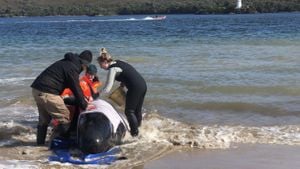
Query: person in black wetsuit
[{"x": 128, "y": 76}]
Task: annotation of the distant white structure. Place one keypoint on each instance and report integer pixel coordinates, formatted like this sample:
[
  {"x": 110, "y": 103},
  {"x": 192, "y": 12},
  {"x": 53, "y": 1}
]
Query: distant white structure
[{"x": 238, "y": 4}]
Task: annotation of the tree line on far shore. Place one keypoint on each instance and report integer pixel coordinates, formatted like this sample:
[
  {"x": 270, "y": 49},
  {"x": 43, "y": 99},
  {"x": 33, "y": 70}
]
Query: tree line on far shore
[{"x": 124, "y": 7}]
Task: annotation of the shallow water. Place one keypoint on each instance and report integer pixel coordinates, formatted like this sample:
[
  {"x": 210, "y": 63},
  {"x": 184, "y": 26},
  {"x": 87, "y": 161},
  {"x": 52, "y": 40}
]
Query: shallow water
[{"x": 213, "y": 80}]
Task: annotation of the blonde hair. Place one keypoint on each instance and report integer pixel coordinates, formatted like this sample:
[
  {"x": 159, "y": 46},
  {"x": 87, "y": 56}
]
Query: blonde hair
[{"x": 104, "y": 56}]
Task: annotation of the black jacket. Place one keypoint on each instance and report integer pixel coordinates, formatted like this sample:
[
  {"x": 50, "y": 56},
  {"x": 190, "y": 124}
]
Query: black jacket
[{"x": 60, "y": 75}]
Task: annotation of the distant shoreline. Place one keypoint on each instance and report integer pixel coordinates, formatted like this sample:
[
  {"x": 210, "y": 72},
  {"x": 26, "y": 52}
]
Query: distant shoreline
[
  {"x": 14, "y": 8},
  {"x": 18, "y": 16}
]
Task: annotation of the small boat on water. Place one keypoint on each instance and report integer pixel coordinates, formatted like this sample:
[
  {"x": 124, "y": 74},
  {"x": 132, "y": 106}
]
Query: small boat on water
[{"x": 161, "y": 17}]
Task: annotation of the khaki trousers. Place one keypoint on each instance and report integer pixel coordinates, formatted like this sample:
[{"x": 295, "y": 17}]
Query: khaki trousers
[{"x": 50, "y": 106}]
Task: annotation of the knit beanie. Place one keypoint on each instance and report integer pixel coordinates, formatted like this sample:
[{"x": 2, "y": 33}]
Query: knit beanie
[
  {"x": 92, "y": 69},
  {"x": 86, "y": 57}
]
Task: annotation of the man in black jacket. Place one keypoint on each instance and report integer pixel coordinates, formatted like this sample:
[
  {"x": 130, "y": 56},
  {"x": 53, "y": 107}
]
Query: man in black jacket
[{"x": 48, "y": 86}]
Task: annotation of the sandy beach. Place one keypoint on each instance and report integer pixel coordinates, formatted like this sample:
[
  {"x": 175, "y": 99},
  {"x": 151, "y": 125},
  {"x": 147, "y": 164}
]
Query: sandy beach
[{"x": 248, "y": 156}]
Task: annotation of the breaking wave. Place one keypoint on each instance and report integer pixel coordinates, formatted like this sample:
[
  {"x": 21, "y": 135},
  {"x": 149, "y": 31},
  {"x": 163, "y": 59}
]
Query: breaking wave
[{"x": 160, "y": 135}]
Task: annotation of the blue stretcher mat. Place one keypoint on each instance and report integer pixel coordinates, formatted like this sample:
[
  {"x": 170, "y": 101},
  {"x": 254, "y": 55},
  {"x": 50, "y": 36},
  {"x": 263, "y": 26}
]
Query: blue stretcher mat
[{"x": 62, "y": 154}]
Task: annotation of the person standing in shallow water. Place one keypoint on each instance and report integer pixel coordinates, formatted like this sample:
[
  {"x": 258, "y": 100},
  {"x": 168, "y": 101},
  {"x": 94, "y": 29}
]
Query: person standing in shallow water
[
  {"x": 48, "y": 86},
  {"x": 132, "y": 80}
]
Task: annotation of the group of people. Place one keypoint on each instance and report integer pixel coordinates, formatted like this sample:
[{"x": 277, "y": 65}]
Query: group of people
[{"x": 61, "y": 84}]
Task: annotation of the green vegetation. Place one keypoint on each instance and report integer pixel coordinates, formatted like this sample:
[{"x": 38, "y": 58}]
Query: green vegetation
[{"x": 119, "y": 7}]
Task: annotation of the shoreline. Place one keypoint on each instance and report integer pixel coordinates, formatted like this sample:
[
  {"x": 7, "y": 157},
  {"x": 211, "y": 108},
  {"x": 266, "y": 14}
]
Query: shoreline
[{"x": 242, "y": 156}]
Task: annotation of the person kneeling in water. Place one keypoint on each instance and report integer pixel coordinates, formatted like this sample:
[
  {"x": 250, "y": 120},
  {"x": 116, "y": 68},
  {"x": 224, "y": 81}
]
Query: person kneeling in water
[{"x": 89, "y": 84}]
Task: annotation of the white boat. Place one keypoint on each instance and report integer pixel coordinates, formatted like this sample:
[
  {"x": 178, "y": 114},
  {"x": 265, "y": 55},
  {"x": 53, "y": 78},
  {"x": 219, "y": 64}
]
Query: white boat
[
  {"x": 155, "y": 17},
  {"x": 159, "y": 17}
]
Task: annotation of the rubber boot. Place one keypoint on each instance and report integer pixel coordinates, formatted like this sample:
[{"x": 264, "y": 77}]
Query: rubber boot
[
  {"x": 41, "y": 134},
  {"x": 139, "y": 118},
  {"x": 133, "y": 123}
]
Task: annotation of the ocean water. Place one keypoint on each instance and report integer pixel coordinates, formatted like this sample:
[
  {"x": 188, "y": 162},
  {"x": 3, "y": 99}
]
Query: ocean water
[{"x": 213, "y": 80}]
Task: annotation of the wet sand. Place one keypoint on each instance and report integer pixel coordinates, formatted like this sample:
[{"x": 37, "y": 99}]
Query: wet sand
[
  {"x": 243, "y": 156},
  {"x": 247, "y": 156}
]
